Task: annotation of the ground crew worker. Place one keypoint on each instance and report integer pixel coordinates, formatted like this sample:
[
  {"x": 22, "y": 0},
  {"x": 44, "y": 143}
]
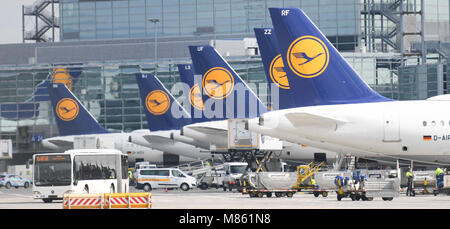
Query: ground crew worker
[
  {"x": 439, "y": 177},
  {"x": 130, "y": 175},
  {"x": 313, "y": 183},
  {"x": 409, "y": 180}
]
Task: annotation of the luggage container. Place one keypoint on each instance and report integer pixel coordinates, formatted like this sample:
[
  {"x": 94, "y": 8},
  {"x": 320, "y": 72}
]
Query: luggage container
[
  {"x": 386, "y": 186},
  {"x": 267, "y": 183},
  {"x": 424, "y": 182},
  {"x": 325, "y": 182}
]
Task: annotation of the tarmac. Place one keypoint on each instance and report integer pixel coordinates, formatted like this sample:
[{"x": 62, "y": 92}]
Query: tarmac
[{"x": 218, "y": 199}]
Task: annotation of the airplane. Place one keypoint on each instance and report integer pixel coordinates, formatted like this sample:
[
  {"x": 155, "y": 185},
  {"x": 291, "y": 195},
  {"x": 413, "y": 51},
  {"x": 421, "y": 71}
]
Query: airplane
[
  {"x": 276, "y": 78},
  {"x": 214, "y": 131},
  {"x": 75, "y": 121},
  {"x": 162, "y": 122},
  {"x": 234, "y": 99},
  {"x": 336, "y": 110}
]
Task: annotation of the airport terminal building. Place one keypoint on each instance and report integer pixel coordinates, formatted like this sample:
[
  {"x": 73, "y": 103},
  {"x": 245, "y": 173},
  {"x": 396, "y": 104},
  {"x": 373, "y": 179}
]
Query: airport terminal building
[{"x": 103, "y": 43}]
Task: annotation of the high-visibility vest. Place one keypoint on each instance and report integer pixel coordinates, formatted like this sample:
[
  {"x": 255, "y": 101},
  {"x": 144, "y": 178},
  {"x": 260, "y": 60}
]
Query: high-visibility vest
[
  {"x": 408, "y": 175},
  {"x": 313, "y": 182},
  {"x": 439, "y": 171}
]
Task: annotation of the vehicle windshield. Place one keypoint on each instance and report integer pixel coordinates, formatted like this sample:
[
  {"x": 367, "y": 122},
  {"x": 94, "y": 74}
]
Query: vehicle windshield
[
  {"x": 237, "y": 169},
  {"x": 52, "y": 174}
]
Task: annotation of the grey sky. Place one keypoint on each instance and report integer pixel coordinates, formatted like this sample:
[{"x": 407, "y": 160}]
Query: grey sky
[{"x": 11, "y": 20}]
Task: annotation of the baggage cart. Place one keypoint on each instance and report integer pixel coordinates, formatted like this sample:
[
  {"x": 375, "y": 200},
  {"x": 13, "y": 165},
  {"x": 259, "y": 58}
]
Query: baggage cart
[
  {"x": 325, "y": 182},
  {"x": 386, "y": 186},
  {"x": 267, "y": 183},
  {"x": 424, "y": 182}
]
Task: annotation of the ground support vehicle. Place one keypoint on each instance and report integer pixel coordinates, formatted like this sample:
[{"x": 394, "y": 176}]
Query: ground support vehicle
[
  {"x": 425, "y": 183},
  {"x": 268, "y": 183},
  {"x": 325, "y": 182},
  {"x": 386, "y": 185},
  {"x": 79, "y": 171},
  {"x": 304, "y": 175},
  {"x": 233, "y": 174},
  {"x": 346, "y": 187},
  {"x": 164, "y": 178},
  {"x": 213, "y": 178}
]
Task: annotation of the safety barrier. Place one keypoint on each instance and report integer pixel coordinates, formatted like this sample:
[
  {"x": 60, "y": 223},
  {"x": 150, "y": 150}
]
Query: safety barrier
[
  {"x": 128, "y": 200},
  {"x": 107, "y": 200},
  {"x": 74, "y": 201}
]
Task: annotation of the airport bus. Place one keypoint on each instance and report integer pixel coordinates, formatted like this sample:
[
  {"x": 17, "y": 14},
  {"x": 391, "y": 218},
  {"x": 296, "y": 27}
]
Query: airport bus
[{"x": 79, "y": 171}]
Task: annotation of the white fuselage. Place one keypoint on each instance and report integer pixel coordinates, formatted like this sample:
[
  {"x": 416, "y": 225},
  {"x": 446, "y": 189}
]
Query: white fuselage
[
  {"x": 291, "y": 152},
  {"x": 396, "y": 129},
  {"x": 118, "y": 141}
]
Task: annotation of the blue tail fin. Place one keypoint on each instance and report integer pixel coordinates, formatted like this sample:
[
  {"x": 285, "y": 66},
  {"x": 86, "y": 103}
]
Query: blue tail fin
[
  {"x": 187, "y": 73},
  {"x": 194, "y": 97},
  {"x": 162, "y": 110},
  {"x": 223, "y": 87},
  {"x": 274, "y": 67},
  {"x": 317, "y": 73},
  {"x": 71, "y": 116}
]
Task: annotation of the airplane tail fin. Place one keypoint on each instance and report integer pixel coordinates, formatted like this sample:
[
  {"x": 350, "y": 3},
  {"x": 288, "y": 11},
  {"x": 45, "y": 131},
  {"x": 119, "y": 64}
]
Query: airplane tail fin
[
  {"x": 162, "y": 110},
  {"x": 194, "y": 97},
  {"x": 317, "y": 73},
  {"x": 186, "y": 74},
  {"x": 222, "y": 84},
  {"x": 274, "y": 67},
  {"x": 71, "y": 116}
]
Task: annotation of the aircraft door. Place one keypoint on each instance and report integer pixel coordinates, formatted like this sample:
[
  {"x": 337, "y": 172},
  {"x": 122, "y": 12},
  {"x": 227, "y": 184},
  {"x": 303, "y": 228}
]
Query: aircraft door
[{"x": 391, "y": 127}]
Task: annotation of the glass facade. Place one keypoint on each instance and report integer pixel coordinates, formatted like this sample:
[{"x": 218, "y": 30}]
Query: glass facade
[
  {"x": 108, "y": 88},
  {"x": 437, "y": 19},
  {"x": 422, "y": 82},
  {"x": 119, "y": 19},
  {"x": 380, "y": 23}
]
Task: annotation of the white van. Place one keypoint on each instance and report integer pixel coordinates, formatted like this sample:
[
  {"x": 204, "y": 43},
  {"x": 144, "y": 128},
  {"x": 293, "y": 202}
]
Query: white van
[{"x": 154, "y": 178}]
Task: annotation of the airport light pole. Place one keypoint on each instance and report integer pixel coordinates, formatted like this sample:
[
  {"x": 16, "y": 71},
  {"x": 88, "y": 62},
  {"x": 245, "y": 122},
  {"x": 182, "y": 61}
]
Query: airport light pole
[{"x": 154, "y": 21}]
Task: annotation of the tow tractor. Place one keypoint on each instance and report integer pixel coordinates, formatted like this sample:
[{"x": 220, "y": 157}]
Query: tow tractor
[{"x": 305, "y": 174}]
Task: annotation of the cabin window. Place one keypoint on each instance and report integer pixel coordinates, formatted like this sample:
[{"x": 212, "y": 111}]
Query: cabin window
[
  {"x": 442, "y": 123},
  {"x": 433, "y": 123},
  {"x": 425, "y": 123}
]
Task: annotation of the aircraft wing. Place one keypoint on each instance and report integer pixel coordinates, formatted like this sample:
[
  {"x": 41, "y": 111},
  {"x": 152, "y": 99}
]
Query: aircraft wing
[
  {"x": 157, "y": 139},
  {"x": 62, "y": 143},
  {"x": 209, "y": 130},
  {"x": 305, "y": 119}
]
